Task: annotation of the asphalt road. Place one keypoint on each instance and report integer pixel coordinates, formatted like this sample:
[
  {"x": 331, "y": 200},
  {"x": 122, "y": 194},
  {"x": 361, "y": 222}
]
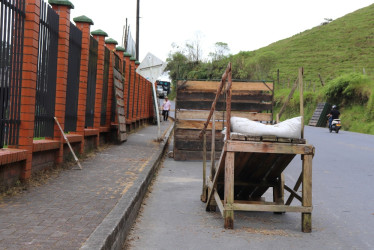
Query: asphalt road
[{"x": 173, "y": 217}]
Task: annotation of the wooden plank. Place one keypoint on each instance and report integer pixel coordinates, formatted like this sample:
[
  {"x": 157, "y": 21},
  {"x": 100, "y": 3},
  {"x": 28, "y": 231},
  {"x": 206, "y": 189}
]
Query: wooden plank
[
  {"x": 218, "y": 171},
  {"x": 203, "y": 114},
  {"x": 268, "y": 147},
  {"x": 120, "y": 102},
  {"x": 118, "y": 84},
  {"x": 220, "y": 106},
  {"x": 211, "y": 86},
  {"x": 187, "y": 124},
  {"x": 271, "y": 208},
  {"x": 121, "y": 119},
  {"x": 122, "y": 137},
  {"x": 219, "y": 203},
  {"x": 229, "y": 190},
  {"x": 196, "y": 145},
  {"x": 249, "y": 97},
  {"x": 120, "y": 111},
  {"x": 122, "y": 127},
  {"x": 117, "y": 74},
  {"x": 119, "y": 93},
  {"x": 193, "y": 134}
]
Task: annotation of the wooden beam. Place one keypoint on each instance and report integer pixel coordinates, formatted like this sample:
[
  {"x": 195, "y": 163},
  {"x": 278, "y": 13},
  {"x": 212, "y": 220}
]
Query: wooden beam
[
  {"x": 229, "y": 190},
  {"x": 269, "y": 147},
  {"x": 293, "y": 192},
  {"x": 296, "y": 187},
  {"x": 219, "y": 203},
  {"x": 306, "y": 217},
  {"x": 203, "y": 195},
  {"x": 271, "y": 208},
  {"x": 301, "y": 88}
]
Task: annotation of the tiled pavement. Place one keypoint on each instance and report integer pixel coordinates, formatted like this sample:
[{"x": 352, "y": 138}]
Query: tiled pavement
[{"x": 64, "y": 213}]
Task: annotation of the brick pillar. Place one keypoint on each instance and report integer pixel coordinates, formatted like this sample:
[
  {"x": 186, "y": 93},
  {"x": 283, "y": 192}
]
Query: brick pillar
[
  {"x": 62, "y": 8},
  {"x": 29, "y": 76},
  {"x": 111, "y": 45},
  {"x": 136, "y": 97},
  {"x": 99, "y": 35},
  {"x": 132, "y": 90},
  {"x": 127, "y": 87},
  {"x": 83, "y": 23}
]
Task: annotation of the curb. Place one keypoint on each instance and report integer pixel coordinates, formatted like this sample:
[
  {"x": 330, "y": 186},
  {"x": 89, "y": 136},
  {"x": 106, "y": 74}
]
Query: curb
[{"x": 113, "y": 230}]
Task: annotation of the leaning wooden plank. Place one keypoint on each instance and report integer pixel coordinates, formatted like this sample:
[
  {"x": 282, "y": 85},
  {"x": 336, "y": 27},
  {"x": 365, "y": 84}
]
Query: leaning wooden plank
[
  {"x": 117, "y": 74},
  {"x": 269, "y": 147},
  {"x": 219, "y": 167},
  {"x": 118, "y": 84},
  {"x": 271, "y": 208}
]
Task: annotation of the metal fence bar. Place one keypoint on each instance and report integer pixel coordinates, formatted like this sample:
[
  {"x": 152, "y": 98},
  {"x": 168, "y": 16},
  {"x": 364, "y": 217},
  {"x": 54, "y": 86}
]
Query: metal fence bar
[
  {"x": 72, "y": 87},
  {"x": 104, "y": 99},
  {"x": 91, "y": 82},
  {"x": 11, "y": 37},
  {"x": 47, "y": 72}
]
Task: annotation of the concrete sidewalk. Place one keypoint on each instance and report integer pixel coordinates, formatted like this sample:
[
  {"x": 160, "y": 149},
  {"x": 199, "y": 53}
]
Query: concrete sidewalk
[{"x": 91, "y": 208}]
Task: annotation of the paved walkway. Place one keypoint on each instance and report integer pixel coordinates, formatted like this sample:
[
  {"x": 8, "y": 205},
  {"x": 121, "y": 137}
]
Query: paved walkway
[{"x": 86, "y": 208}]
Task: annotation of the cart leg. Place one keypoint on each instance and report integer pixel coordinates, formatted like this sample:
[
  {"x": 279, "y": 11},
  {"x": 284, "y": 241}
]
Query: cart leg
[
  {"x": 278, "y": 192},
  {"x": 306, "y": 218},
  {"x": 228, "y": 213}
]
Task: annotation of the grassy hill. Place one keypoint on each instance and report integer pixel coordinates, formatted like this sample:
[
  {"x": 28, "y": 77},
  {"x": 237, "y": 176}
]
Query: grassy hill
[
  {"x": 342, "y": 52},
  {"x": 345, "y": 45}
]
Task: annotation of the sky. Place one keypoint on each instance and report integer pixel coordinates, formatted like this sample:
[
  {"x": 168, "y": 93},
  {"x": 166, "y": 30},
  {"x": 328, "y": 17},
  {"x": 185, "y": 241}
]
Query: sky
[{"x": 245, "y": 25}]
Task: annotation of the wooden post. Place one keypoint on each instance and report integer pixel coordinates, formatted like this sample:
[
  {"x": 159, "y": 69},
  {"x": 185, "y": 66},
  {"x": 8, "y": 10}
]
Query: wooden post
[
  {"x": 213, "y": 147},
  {"x": 228, "y": 104},
  {"x": 229, "y": 191},
  {"x": 301, "y": 100},
  {"x": 306, "y": 218},
  {"x": 320, "y": 78},
  {"x": 203, "y": 194}
]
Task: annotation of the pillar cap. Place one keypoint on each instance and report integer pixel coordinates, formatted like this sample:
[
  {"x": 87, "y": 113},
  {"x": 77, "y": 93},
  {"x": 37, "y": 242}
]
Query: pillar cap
[
  {"x": 111, "y": 41},
  {"x": 132, "y": 59},
  {"x": 127, "y": 54},
  {"x": 83, "y": 19},
  {"x": 61, "y": 2},
  {"x": 137, "y": 62},
  {"x": 99, "y": 33},
  {"x": 119, "y": 48}
]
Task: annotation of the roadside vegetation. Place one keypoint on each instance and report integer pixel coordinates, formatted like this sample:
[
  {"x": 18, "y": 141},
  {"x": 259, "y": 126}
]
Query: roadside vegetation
[{"x": 337, "y": 57}]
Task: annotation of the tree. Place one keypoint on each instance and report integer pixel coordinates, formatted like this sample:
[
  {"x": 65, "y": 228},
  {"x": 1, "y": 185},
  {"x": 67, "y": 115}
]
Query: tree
[{"x": 221, "y": 50}]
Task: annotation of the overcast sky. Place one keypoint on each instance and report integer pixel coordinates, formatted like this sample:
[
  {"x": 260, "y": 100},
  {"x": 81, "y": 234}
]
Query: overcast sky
[{"x": 245, "y": 25}]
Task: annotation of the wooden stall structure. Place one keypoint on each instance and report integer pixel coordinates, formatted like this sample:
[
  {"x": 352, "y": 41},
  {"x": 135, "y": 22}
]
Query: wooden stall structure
[
  {"x": 250, "y": 165},
  {"x": 193, "y": 103}
]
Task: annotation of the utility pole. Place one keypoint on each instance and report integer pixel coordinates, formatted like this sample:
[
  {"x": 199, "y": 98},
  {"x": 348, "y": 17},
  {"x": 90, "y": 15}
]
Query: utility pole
[{"x": 137, "y": 30}]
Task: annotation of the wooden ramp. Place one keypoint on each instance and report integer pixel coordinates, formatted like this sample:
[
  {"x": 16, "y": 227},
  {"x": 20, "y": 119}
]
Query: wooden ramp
[{"x": 251, "y": 165}]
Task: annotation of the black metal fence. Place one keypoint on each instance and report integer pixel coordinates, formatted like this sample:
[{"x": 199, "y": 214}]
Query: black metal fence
[
  {"x": 104, "y": 99},
  {"x": 72, "y": 87},
  {"x": 12, "y": 21},
  {"x": 47, "y": 71},
  {"x": 91, "y": 82}
]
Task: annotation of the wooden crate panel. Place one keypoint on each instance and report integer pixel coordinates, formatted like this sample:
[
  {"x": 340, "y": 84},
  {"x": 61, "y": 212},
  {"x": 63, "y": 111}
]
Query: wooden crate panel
[
  {"x": 212, "y": 86},
  {"x": 190, "y": 124},
  {"x": 193, "y": 134},
  {"x": 185, "y": 155},
  {"x": 235, "y": 97},
  {"x": 196, "y": 145},
  {"x": 235, "y": 106}
]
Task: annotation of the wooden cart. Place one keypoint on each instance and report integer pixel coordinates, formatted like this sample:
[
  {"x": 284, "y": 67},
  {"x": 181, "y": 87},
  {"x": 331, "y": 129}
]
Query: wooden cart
[{"x": 250, "y": 165}]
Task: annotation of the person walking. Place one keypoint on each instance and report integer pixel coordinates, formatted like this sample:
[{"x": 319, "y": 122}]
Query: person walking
[{"x": 166, "y": 108}]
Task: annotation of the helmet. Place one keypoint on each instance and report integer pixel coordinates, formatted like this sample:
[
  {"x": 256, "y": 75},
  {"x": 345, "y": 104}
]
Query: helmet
[{"x": 333, "y": 106}]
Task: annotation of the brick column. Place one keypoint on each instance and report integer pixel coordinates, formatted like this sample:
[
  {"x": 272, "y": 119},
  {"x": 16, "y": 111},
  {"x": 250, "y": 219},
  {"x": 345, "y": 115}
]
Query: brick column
[
  {"x": 111, "y": 45},
  {"x": 29, "y": 76},
  {"x": 83, "y": 23},
  {"x": 136, "y": 92},
  {"x": 99, "y": 35},
  {"x": 132, "y": 89},
  {"x": 62, "y": 8},
  {"x": 127, "y": 87}
]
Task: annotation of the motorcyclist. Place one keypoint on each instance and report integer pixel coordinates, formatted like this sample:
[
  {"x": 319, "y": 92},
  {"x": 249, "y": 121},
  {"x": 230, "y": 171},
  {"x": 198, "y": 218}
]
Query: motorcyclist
[{"x": 334, "y": 114}]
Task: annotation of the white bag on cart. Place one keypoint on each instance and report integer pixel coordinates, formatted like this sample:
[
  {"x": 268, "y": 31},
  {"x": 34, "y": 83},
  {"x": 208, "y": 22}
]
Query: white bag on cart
[{"x": 290, "y": 128}]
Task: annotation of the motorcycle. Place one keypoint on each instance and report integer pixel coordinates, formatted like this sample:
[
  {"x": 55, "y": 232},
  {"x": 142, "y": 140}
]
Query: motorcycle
[{"x": 335, "y": 125}]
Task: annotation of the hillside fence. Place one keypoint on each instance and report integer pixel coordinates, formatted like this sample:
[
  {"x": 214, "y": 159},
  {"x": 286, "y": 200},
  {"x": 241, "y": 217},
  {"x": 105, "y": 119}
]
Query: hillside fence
[{"x": 51, "y": 67}]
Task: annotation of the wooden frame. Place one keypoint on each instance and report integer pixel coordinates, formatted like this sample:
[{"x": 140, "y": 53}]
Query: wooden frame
[{"x": 249, "y": 166}]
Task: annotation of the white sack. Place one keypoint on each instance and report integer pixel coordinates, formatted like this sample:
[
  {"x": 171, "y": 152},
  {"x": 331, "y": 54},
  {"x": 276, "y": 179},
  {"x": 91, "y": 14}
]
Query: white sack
[{"x": 290, "y": 128}]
